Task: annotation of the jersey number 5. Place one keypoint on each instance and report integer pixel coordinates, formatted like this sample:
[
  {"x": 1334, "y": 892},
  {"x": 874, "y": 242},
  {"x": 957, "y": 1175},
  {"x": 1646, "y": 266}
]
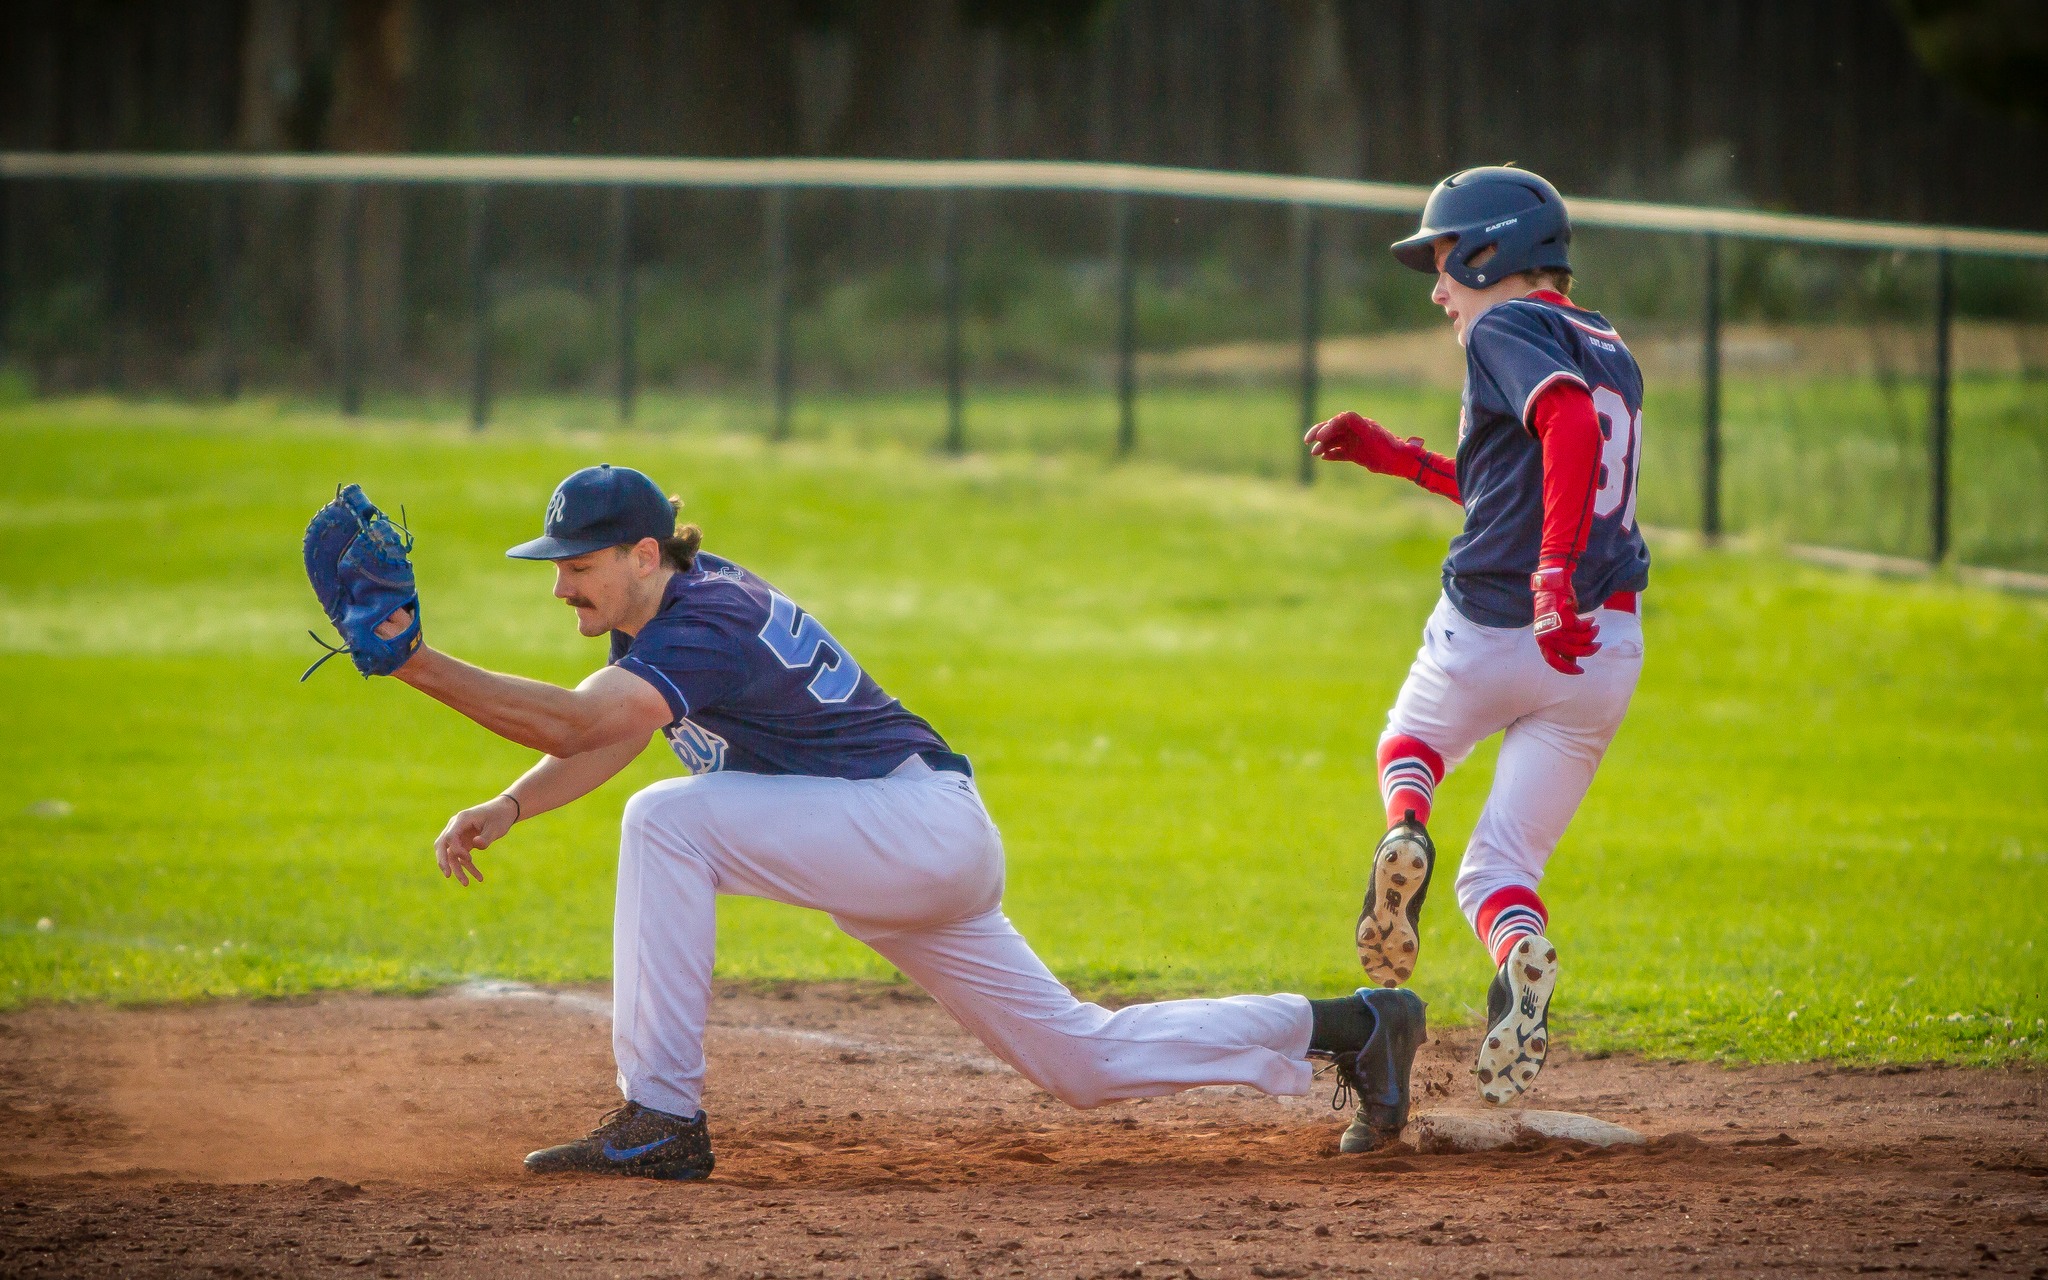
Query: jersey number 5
[
  {"x": 797, "y": 642},
  {"x": 1621, "y": 456}
]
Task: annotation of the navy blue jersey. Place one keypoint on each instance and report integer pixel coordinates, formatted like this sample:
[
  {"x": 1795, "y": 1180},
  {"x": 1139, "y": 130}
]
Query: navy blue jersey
[
  {"x": 758, "y": 686},
  {"x": 1512, "y": 353}
]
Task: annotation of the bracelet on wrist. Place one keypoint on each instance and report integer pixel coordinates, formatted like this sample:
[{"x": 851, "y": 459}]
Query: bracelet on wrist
[{"x": 518, "y": 810}]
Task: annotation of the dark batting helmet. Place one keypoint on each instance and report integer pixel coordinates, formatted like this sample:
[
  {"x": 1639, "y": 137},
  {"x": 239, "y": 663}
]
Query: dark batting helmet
[{"x": 1519, "y": 215}]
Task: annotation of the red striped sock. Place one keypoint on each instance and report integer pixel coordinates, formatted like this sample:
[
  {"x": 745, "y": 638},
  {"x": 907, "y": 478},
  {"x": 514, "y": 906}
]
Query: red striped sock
[
  {"x": 1508, "y": 916},
  {"x": 1409, "y": 771}
]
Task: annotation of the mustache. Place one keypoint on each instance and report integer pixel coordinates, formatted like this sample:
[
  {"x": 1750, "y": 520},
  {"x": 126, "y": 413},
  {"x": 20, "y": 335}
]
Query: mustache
[{"x": 577, "y": 602}]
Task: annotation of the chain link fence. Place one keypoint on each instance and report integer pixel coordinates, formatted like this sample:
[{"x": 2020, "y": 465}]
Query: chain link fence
[{"x": 1881, "y": 389}]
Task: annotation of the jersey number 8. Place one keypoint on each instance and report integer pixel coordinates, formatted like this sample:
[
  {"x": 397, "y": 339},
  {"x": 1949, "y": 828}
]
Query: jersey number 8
[{"x": 1621, "y": 456}]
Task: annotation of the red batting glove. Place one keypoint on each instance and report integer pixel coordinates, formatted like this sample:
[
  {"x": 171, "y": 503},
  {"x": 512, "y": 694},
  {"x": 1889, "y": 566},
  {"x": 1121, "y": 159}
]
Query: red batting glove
[
  {"x": 1562, "y": 633},
  {"x": 1351, "y": 437}
]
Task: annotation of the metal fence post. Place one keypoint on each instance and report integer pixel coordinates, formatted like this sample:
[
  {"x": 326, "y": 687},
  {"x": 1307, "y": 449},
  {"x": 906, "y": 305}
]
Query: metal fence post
[
  {"x": 1938, "y": 410},
  {"x": 227, "y": 367},
  {"x": 1308, "y": 248},
  {"x": 479, "y": 261},
  {"x": 1126, "y": 327},
  {"x": 949, "y": 287},
  {"x": 351, "y": 338},
  {"x": 776, "y": 235},
  {"x": 6, "y": 268},
  {"x": 622, "y": 294},
  {"x": 1710, "y": 395},
  {"x": 113, "y": 300}
]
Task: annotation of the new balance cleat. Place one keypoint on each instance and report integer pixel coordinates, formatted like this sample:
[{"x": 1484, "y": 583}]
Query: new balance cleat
[
  {"x": 636, "y": 1142},
  {"x": 1517, "y": 1020},
  {"x": 1377, "y": 1074},
  {"x": 1389, "y": 926}
]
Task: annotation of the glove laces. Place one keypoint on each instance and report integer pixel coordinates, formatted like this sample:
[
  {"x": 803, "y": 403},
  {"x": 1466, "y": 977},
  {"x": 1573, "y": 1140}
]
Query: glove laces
[{"x": 333, "y": 650}]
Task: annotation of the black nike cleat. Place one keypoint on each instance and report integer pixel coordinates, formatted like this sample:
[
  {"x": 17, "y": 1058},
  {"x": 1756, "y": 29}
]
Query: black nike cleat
[
  {"x": 637, "y": 1142},
  {"x": 1378, "y": 1073},
  {"x": 1389, "y": 926},
  {"x": 1517, "y": 1020}
]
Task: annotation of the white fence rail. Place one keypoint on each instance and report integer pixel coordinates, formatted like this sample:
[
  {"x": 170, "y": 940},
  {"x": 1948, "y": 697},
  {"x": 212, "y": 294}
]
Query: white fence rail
[{"x": 986, "y": 175}]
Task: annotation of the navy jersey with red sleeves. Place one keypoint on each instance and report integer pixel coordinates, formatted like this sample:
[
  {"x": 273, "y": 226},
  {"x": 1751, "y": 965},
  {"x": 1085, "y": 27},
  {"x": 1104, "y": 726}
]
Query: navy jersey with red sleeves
[
  {"x": 758, "y": 686},
  {"x": 1512, "y": 353}
]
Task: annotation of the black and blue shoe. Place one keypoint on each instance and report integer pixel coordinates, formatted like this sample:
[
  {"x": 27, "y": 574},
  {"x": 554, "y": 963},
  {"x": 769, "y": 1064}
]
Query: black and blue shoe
[
  {"x": 1377, "y": 1073},
  {"x": 637, "y": 1142}
]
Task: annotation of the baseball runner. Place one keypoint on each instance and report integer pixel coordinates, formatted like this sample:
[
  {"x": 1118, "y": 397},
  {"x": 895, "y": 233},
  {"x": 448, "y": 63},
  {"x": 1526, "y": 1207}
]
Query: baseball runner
[
  {"x": 1549, "y": 444},
  {"x": 807, "y": 784}
]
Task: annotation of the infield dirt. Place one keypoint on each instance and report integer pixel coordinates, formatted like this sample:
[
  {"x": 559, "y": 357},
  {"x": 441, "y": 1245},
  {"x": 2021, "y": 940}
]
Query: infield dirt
[{"x": 859, "y": 1133}]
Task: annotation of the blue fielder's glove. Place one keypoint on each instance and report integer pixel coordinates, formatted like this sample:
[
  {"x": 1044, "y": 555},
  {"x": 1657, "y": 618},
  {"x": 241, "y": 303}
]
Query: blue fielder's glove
[{"x": 356, "y": 561}]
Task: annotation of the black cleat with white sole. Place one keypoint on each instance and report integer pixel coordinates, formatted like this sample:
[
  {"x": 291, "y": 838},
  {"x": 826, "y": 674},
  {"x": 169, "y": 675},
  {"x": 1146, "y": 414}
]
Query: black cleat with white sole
[
  {"x": 1389, "y": 925},
  {"x": 1517, "y": 1020},
  {"x": 637, "y": 1142},
  {"x": 1377, "y": 1073}
]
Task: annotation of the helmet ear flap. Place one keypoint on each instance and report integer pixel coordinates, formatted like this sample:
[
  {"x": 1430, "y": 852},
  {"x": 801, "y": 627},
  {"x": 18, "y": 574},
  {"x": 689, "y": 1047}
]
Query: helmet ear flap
[{"x": 1460, "y": 264}]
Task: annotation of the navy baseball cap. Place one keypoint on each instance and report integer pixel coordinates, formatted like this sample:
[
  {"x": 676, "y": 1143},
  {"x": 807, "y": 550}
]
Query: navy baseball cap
[{"x": 600, "y": 507}]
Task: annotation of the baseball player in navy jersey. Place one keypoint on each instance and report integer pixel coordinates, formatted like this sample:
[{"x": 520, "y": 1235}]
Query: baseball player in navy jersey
[
  {"x": 807, "y": 784},
  {"x": 1537, "y": 635}
]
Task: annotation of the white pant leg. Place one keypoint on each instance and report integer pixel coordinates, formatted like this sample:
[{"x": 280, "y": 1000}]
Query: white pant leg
[
  {"x": 1458, "y": 693},
  {"x": 913, "y": 866},
  {"x": 890, "y": 850},
  {"x": 1548, "y": 757},
  {"x": 984, "y": 974}
]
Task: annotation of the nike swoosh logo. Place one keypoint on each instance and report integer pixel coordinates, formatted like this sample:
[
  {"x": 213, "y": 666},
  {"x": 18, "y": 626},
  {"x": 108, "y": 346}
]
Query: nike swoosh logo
[{"x": 613, "y": 1153}]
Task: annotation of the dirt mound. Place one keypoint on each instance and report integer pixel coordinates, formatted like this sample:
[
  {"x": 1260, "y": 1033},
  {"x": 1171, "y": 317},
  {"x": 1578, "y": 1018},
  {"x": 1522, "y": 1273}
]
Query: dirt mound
[{"x": 859, "y": 1133}]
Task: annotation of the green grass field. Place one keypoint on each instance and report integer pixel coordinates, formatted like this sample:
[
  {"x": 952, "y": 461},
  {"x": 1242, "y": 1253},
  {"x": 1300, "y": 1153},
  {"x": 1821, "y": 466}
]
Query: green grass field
[
  {"x": 1837, "y": 461},
  {"x": 1822, "y": 833}
]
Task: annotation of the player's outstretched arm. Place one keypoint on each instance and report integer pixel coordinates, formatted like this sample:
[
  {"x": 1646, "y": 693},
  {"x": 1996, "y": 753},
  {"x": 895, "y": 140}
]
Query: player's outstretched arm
[
  {"x": 550, "y": 784},
  {"x": 1352, "y": 437},
  {"x": 608, "y": 707}
]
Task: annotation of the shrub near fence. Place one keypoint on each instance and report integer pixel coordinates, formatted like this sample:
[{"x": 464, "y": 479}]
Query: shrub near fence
[{"x": 1877, "y": 387}]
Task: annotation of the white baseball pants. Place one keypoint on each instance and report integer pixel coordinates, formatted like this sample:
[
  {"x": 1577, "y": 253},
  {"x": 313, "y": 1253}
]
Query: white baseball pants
[
  {"x": 912, "y": 866},
  {"x": 1470, "y": 682}
]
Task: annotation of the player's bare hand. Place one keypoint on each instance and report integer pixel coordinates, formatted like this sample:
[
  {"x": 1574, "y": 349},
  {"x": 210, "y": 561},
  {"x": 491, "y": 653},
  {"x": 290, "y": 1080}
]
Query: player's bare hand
[
  {"x": 476, "y": 827},
  {"x": 1352, "y": 437},
  {"x": 394, "y": 625},
  {"x": 1563, "y": 634}
]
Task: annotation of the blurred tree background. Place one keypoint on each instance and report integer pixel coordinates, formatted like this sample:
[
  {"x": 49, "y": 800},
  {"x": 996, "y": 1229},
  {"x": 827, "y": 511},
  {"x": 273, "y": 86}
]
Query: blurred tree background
[
  {"x": 1816, "y": 105},
  {"x": 1923, "y": 110}
]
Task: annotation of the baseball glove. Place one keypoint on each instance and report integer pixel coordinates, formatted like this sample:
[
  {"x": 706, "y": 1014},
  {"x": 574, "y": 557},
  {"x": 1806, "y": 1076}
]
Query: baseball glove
[{"x": 356, "y": 561}]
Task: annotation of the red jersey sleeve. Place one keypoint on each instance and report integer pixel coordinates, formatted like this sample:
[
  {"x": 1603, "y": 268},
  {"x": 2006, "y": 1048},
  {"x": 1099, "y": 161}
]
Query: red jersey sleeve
[
  {"x": 1563, "y": 419},
  {"x": 1439, "y": 475}
]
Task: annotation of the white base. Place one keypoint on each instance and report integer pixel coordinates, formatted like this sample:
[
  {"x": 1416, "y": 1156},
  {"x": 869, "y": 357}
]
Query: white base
[{"x": 1448, "y": 1132}]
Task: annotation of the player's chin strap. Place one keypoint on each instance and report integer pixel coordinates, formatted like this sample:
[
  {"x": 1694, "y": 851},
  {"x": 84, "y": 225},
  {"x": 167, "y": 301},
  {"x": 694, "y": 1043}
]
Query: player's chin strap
[{"x": 332, "y": 651}]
